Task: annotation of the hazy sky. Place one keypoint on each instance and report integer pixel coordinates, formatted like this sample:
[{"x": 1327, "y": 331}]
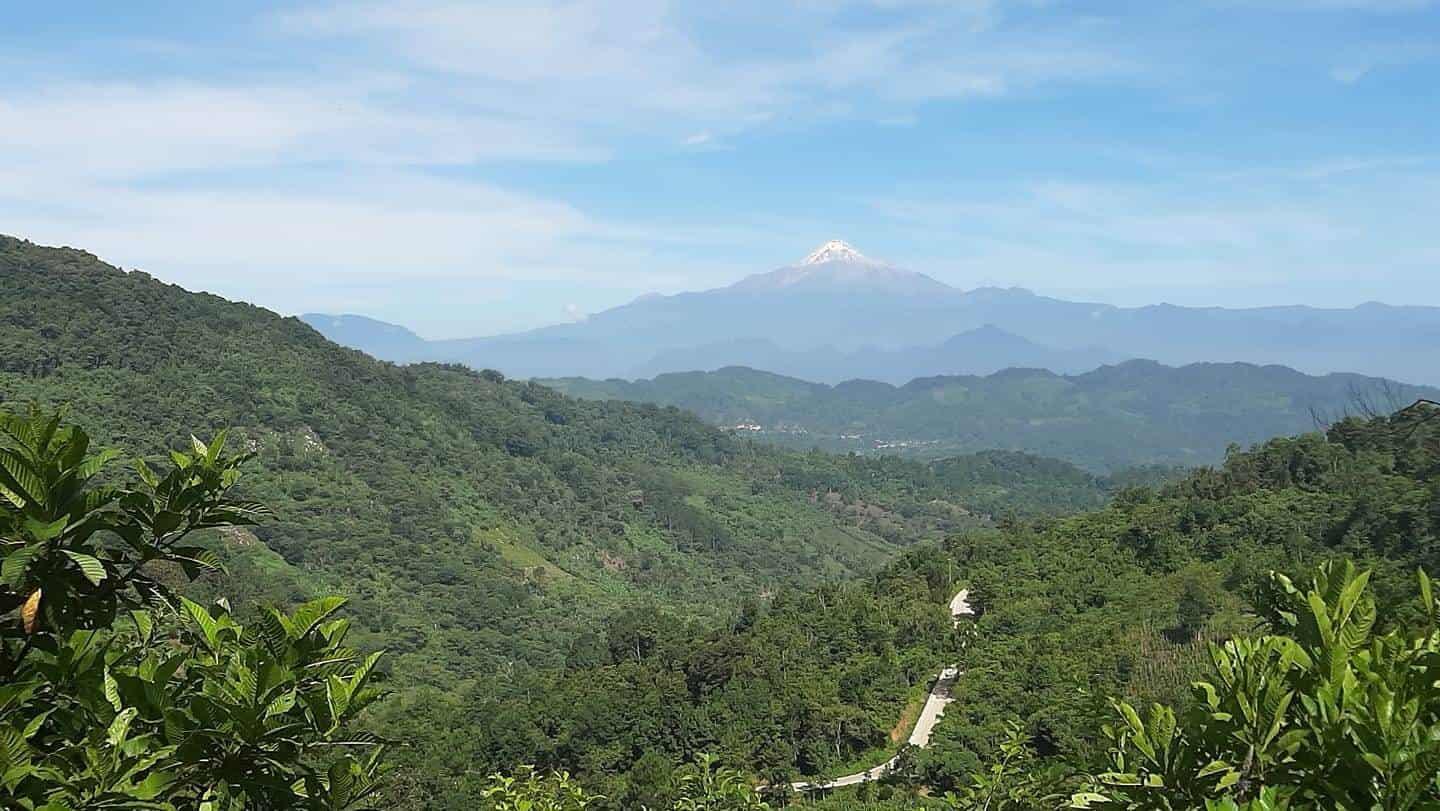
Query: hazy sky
[{"x": 469, "y": 168}]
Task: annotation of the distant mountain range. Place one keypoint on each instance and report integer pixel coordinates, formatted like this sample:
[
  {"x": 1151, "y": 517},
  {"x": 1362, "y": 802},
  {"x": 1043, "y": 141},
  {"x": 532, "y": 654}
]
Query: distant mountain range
[
  {"x": 978, "y": 351},
  {"x": 1134, "y": 413},
  {"x": 838, "y": 314},
  {"x": 377, "y": 338}
]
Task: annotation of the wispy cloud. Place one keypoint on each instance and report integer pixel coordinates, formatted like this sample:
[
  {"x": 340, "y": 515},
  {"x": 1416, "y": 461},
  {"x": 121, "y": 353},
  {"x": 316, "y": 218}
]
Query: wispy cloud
[
  {"x": 1376, "y": 7},
  {"x": 639, "y": 62},
  {"x": 1355, "y": 62},
  {"x": 1188, "y": 230},
  {"x": 1379, "y": 6},
  {"x": 362, "y": 166},
  {"x": 1349, "y": 74},
  {"x": 368, "y": 241},
  {"x": 358, "y": 149},
  {"x": 166, "y": 126}
]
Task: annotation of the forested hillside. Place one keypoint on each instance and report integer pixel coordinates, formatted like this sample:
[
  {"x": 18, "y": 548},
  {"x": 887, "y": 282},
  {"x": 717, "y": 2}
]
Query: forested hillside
[
  {"x": 477, "y": 525},
  {"x": 1135, "y": 413},
  {"x": 1123, "y": 601},
  {"x": 1120, "y": 602},
  {"x": 623, "y": 592},
  {"x": 473, "y": 520}
]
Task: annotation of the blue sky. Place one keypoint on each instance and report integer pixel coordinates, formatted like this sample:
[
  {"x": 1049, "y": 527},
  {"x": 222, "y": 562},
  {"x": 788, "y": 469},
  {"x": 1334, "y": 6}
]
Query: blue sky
[{"x": 471, "y": 168}]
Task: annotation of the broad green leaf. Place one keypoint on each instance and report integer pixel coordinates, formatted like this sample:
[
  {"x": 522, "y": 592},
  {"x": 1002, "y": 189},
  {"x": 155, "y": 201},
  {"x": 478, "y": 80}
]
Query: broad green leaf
[
  {"x": 311, "y": 614},
  {"x": 342, "y": 782},
  {"x": 216, "y": 446},
  {"x": 12, "y": 496},
  {"x": 92, "y": 466},
  {"x": 120, "y": 728},
  {"x": 89, "y": 565},
  {"x": 112, "y": 691},
  {"x": 144, "y": 623},
  {"x": 17, "y": 564},
  {"x": 201, "y": 618},
  {"x": 146, "y": 474},
  {"x": 35, "y": 723},
  {"x": 1214, "y": 767},
  {"x": 46, "y": 530},
  {"x": 18, "y": 477}
]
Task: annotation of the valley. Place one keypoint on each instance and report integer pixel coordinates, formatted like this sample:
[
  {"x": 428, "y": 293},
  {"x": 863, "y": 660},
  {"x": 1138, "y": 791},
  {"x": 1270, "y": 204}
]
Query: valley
[
  {"x": 666, "y": 405},
  {"x": 478, "y": 525}
]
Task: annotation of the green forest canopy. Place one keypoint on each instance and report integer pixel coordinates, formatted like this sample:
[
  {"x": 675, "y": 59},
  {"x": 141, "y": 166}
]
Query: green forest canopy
[
  {"x": 1137, "y": 413},
  {"x": 518, "y": 515},
  {"x": 1132, "y": 601},
  {"x": 563, "y": 583},
  {"x": 477, "y": 525},
  {"x": 1122, "y": 602}
]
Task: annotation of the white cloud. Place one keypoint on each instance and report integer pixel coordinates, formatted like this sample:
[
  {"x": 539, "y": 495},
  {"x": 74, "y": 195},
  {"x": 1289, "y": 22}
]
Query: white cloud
[
  {"x": 1349, "y": 74},
  {"x": 1332, "y": 224},
  {"x": 363, "y": 161},
  {"x": 1322, "y": 170},
  {"x": 641, "y": 65},
  {"x": 446, "y": 246},
  {"x": 133, "y": 129},
  {"x": 572, "y": 61},
  {"x": 518, "y": 42},
  {"x": 362, "y": 168},
  {"x": 442, "y": 254},
  {"x": 375, "y": 223},
  {"x": 1357, "y": 60},
  {"x": 1383, "y": 6}
]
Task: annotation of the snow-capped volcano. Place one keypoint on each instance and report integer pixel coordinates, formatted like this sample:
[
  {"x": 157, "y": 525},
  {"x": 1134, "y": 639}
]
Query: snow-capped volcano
[
  {"x": 836, "y": 267},
  {"x": 836, "y": 251}
]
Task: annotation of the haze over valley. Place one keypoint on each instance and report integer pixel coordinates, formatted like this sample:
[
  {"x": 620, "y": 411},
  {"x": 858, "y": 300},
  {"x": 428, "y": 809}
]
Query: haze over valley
[{"x": 838, "y": 315}]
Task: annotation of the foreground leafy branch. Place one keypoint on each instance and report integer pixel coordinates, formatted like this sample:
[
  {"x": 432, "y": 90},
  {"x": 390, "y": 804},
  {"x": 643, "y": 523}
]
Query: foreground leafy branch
[
  {"x": 703, "y": 786},
  {"x": 1323, "y": 712},
  {"x": 117, "y": 694}
]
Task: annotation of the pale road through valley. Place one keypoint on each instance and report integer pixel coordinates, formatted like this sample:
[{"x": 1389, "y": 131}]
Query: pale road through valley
[{"x": 935, "y": 705}]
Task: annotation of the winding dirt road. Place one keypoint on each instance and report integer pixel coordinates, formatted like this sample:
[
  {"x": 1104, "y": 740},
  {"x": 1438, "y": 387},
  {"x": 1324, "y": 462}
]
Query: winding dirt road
[{"x": 934, "y": 708}]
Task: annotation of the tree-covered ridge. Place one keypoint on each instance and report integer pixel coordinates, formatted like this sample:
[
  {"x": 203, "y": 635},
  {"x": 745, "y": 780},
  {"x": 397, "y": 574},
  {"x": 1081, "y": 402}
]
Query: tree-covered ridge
[
  {"x": 105, "y": 702},
  {"x": 1123, "y": 601},
  {"x": 116, "y": 693},
  {"x": 505, "y": 509},
  {"x": 489, "y": 500},
  {"x": 482, "y": 527},
  {"x": 1137, "y": 413},
  {"x": 1322, "y": 710},
  {"x": 804, "y": 683},
  {"x": 1120, "y": 602},
  {"x": 477, "y": 525}
]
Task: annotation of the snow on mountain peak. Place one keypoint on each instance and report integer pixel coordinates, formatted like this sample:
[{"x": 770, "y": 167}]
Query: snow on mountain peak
[
  {"x": 837, "y": 267},
  {"x": 835, "y": 251}
]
